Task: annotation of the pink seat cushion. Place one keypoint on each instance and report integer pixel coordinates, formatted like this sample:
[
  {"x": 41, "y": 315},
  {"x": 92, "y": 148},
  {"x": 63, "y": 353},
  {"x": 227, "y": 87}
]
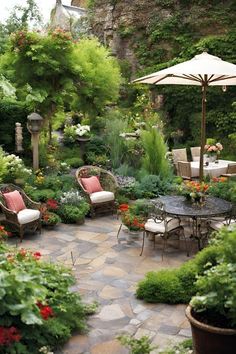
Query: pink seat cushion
[
  {"x": 14, "y": 201},
  {"x": 91, "y": 184}
]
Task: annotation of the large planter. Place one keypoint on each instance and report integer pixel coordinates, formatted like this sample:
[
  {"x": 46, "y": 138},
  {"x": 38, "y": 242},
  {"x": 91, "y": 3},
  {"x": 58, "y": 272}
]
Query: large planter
[{"x": 211, "y": 340}]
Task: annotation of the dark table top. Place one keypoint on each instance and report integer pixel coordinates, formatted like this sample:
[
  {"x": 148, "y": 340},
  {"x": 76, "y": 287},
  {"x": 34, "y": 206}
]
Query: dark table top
[{"x": 178, "y": 205}]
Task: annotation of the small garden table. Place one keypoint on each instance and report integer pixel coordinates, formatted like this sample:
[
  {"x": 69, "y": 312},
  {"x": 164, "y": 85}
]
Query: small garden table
[{"x": 179, "y": 206}]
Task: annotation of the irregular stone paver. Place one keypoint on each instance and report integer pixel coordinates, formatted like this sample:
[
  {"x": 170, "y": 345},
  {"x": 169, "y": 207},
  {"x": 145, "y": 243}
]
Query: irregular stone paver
[
  {"x": 110, "y": 313},
  {"x": 108, "y": 272}
]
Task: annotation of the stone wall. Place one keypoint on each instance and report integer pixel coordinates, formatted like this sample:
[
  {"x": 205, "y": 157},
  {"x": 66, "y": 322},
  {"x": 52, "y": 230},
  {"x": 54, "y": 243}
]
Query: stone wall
[{"x": 149, "y": 32}]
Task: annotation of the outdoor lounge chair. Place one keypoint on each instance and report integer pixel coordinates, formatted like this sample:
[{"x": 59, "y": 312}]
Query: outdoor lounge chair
[
  {"x": 20, "y": 211},
  {"x": 99, "y": 186}
]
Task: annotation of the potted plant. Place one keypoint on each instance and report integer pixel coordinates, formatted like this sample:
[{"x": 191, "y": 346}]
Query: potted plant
[
  {"x": 133, "y": 220},
  {"x": 212, "y": 312},
  {"x": 212, "y": 150},
  {"x": 194, "y": 192}
]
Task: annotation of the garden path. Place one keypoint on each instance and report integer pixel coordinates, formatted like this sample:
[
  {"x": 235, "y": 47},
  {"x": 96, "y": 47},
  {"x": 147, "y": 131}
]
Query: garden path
[{"x": 108, "y": 273}]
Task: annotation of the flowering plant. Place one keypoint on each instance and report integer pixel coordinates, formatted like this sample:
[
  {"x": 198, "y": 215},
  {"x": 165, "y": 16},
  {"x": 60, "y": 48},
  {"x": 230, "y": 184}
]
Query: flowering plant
[
  {"x": 72, "y": 197},
  {"x": 49, "y": 218},
  {"x": 213, "y": 149},
  {"x": 3, "y": 233},
  {"x": 72, "y": 132},
  {"x": 52, "y": 204},
  {"x": 15, "y": 168},
  {"x": 195, "y": 191},
  {"x": 130, "y": 219}
]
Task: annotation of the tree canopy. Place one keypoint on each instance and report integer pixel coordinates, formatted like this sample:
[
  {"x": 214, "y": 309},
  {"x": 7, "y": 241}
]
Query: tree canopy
[{"x": 51, "y": 72}]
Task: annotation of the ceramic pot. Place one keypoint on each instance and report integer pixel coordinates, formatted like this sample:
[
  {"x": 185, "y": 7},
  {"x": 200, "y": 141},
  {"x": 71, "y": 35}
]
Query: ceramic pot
[
  {"x": 212, "y": 158},
  {"x": 209, "y": 339}
]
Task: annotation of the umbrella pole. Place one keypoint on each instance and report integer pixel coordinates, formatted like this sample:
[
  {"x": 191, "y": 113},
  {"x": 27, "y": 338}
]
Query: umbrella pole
[{"x": 203, "y": 129}]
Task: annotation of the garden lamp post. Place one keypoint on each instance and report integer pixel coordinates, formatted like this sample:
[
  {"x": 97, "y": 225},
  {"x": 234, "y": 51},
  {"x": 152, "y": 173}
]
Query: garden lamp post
[{"x": 34, "y": 125}]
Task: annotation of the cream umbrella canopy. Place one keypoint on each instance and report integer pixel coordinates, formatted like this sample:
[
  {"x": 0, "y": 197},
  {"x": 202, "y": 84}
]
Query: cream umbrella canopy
[{"x": 203, "y": 70}]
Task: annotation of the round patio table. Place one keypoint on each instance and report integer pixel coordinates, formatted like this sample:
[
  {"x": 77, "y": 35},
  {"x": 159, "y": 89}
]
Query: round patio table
[{"x": 179, "y": 206}]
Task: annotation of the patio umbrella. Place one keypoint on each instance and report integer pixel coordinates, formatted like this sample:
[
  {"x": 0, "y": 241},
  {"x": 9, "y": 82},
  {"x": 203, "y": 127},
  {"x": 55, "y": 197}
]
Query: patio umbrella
[{"x": 203, "y": 70}]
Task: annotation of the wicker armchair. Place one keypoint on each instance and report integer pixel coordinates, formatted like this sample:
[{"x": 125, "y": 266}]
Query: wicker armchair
[
  {"x": 104, "y": 201},
  {"x": 179, "y": 155},
  {"x": 184, "y": 169},
  {"x": 25, "y": 219}
]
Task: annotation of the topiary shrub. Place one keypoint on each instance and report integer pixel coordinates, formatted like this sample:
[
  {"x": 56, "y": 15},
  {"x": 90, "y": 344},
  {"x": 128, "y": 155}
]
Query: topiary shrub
[{"x": 162, "y": 286}]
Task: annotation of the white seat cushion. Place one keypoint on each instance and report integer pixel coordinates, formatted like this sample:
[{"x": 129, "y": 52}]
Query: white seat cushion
[
  {"x": 159, "y": 227},
  {"x": 100, "y": 197},
  {"x": 28, "y": 215}
]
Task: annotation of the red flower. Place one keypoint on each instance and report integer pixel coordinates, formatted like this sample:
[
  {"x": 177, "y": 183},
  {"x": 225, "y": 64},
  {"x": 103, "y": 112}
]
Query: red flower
[
  {"x": 45, "y": 311},
  {"x": 9, "y": 335},
  {"x": 52, "y": 204},
  {"x": 124, "y": 207},
  {"x": 37, "y": 255},
  {"x": 9, "y": 234}
]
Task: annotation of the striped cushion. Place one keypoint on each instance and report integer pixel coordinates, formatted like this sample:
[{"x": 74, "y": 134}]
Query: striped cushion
[{"x": 14, "y": 201}]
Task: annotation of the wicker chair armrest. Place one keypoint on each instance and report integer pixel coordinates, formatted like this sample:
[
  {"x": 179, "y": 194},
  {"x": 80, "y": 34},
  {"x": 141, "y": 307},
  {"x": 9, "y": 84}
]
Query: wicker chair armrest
[{"x": 8, "y": 212}]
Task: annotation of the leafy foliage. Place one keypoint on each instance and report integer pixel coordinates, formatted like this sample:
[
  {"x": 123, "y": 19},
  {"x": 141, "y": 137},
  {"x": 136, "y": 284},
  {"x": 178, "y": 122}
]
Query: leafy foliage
[
  {"x": 154, "y": 161},
  {"x": 36, "y": 300},
  {"x": 216, "y": 288},
  {"x": 177, "y": 285},
  {"x": 137, "y": 346}
]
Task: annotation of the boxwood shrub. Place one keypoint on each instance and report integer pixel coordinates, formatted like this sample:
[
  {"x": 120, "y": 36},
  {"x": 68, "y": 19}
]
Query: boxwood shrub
[{"x": 177, "y": 285}]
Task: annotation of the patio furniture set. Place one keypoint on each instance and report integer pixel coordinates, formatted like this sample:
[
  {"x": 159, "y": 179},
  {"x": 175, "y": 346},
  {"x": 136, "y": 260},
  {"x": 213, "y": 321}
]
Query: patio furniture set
[
  {"x": 170, "y": 216},
  {"x": 189, "y": 170}
]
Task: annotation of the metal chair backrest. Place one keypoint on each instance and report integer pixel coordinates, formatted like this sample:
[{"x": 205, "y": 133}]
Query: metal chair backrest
[
  {"x": 195, "y": 152},
  {"x": 231, "y": 168},
  {"x": 184, "y": 169}
]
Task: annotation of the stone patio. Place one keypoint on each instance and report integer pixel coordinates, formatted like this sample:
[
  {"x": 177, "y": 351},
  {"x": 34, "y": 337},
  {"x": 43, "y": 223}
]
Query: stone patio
[{"x": 108, "y": 272}]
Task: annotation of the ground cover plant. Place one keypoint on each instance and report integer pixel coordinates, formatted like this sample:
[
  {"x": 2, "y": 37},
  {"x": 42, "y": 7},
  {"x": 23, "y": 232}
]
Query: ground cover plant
[{"x": 37, "y": 308}]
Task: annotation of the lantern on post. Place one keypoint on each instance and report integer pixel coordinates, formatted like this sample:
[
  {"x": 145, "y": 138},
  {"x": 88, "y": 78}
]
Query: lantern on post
[{"x": 34, "y": 125}]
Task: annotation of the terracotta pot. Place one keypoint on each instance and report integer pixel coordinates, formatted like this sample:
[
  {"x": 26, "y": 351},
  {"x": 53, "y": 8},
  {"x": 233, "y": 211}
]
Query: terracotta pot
[{"x": 211, "y": 340}]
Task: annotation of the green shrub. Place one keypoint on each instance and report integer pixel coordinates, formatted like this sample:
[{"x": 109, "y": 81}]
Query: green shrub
[
  {"x": 225, "y": 190},
  {"x": 36, "y": 300},
  {"x": 10, "y": 113},
  {"x": 71, "y": 214},
  {"x": 42, "y": 195},
  {"x": 152, "y": 186},
  {"x": 163, "y": 286},
  {"x": 158, "y": 286},
  {"x": 74, "y": 162},
  {"x": 155, "y": 149}
]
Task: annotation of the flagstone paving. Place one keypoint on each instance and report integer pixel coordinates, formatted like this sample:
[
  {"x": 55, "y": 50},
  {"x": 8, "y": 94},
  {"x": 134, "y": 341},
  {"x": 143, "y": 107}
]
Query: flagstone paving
[{"x": 107, "y": 272}]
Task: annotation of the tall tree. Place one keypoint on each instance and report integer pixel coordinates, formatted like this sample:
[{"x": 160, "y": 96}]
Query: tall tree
[{"x": 51, "y": 72}]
